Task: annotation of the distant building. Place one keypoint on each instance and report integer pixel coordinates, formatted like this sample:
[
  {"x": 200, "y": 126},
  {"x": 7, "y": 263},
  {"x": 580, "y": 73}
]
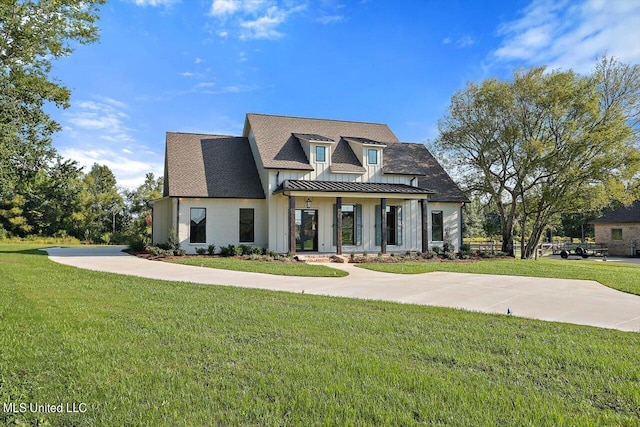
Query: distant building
[{"x": 619, "y": 230}]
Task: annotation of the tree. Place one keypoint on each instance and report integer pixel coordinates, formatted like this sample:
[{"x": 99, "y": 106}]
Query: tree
[
  {"x": 546, "y": 143},
  {"x": 139, "y": 211},
  {"x": 32, "y": 34},
  {"x": 101, "y": 202}
]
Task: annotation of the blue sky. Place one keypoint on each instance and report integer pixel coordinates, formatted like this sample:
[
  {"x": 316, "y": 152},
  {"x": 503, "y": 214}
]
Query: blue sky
[{"x": 201, "y": 65}]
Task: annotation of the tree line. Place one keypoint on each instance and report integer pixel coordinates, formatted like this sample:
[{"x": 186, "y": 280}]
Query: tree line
[{"x": 62, "y": 201}]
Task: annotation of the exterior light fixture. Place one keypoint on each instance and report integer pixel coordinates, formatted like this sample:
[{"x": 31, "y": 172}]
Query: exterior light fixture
[{"x": 308, "y": 202}]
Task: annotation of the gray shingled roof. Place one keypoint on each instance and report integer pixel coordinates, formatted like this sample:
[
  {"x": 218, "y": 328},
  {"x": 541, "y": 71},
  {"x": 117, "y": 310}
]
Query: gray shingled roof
[
  {"x": 349, "y": 187},
  {"x": 344, "y": 159},
  {"x": 626, "y": 214},
  {"x": 199, "y": 165},
  {"x": 279, "y": 149},
  {"x": 437, "y": 179},
  {"x": 405, "y": 159}
]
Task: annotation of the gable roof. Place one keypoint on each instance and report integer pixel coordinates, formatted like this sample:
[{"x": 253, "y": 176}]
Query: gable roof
[
  {"x": 278, "y": 148},
  {"x": 626, "y": 214},
  {"x": 437, "y": 179},
  {"x": 405, "y": 159},
  {"x": 200, "y": 165}
]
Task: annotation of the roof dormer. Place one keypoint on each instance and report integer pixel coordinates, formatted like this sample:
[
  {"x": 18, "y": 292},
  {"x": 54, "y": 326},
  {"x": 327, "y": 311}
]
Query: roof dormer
[
  {"x": 368, "y": 151},
  {"x": 316, "y": 147}
]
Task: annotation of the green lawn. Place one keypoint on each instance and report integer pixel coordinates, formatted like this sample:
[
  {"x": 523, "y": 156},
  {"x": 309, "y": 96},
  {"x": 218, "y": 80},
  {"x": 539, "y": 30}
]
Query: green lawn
[
  {"x": 273, "y": 267},
  {"x": 621, "y": 276},
  {"x": 144, "y": 352}
]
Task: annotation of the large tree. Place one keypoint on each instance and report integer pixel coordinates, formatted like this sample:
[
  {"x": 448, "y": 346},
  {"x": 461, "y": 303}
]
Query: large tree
[
  {"x": 32, "y": 34},
  {"x": 101, "y": 203},
  {"x": 546, "y": 143}
]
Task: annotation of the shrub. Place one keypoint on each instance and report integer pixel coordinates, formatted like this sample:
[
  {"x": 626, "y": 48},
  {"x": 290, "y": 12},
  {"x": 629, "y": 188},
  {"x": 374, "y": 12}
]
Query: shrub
[
  {"x": 437, "y": 250},
  {"x": 201, "y": 251},
  {"x": 352, "y": 255},
  {"x": 230, "y": 250},
  {"x": 255, "y": 250},
  {"x": 179, "y": 252},
  {"x": 211, "y": 249},
  {"x": 172, "y": 240},
  {"x": 3, "y": 233},
  {"x": 429, "y": 254},
  {"x": 465, "y": 247},
  {"x": 105, "y": 238},
  {"x": 243, "y": 250},
  {"x": 137, "y": 245}
]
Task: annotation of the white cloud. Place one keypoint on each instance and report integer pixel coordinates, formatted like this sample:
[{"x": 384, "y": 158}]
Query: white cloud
[
  {"x": 563, "y": 34},
  {"x": 99, "y": 131},
  {"x": 330, "y": 19},
  {"x": 106, "y": 116},
  {"x": 465, "y": 41},
  {"x": 155, "y": 2},
  {"x": 253, "y": 19},
  {"x": 128, "y": 171},
  {"x": 461, "y": 42},
  {"x": 229, "y": 7}
]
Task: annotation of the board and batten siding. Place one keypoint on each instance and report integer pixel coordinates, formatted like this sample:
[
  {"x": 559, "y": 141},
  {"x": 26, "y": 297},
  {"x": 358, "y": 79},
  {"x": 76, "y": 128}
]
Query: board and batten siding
[
  {"x": 222, "y": 222},
  {"x": 452, "y": 223},
  {"x": 163, "y": 219}
]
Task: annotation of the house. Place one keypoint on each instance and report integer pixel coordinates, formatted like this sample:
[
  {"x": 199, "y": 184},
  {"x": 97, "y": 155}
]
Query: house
[
  {"x": 299, "y": 184},
  {"x": 619, "y": 230}
]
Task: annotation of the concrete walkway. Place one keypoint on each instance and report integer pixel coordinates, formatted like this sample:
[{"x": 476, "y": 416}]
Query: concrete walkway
[{"x": 582, "y": 302}]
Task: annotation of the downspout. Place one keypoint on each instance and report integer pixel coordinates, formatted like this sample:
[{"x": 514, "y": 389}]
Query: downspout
[
  {"x": 461, "y": 224},
  {"x": 178, "y": 220}
]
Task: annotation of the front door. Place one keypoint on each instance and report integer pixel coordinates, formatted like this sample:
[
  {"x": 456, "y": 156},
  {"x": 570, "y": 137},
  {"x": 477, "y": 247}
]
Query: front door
[{"x": 306, "y": 230}]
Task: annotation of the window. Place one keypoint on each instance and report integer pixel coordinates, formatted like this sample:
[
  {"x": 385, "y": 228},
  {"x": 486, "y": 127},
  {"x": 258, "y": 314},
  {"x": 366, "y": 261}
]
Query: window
[
  {"x": 321, "y": 154},
  {"x": 351, "y": 225},
  {"x": 372, "y": 155},
  {"x": 247, "y": 225},
  {"x": 198, "y": 228},
  {"x": 616, "y": 234},
  {"x": 437, "y": 227},
  {"x": 394, "y": 225}
]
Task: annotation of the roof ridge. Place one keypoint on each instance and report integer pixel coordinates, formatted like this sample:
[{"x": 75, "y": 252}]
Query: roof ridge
[
  {"x": 316, "y": 118},
  {"x": 200, "y": 133}
]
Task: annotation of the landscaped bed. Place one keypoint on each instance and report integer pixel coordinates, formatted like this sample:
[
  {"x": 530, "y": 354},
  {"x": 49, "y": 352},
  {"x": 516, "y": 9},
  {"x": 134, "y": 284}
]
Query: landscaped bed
[
  {"x": 282, "y": 266},
  {"x": 138, "y": 351}
]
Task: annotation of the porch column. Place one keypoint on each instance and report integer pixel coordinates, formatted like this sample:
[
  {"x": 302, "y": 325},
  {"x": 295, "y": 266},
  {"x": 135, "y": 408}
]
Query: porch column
[
  {"x": 425, "y": 236},
  {"x": 383, "y": 225},
  {"x": 338, "y": 225},
  {"x": 292, "y": 225}
]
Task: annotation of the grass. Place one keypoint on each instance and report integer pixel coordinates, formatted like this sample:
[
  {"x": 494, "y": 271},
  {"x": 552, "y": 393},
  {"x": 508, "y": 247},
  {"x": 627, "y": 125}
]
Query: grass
[
  {"x": 621, "y": 276},
  {"x": 144, "y": 352},
  {"x": 274, "y": 267}
]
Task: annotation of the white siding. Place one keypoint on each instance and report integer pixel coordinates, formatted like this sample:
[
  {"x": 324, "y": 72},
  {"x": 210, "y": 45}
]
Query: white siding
[
  {"x": 223, "y": 221},
  {"x": 452, "y": 223},
  {"x": 162, "y": 220}
]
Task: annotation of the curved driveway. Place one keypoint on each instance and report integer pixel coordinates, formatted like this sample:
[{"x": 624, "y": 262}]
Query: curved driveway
[{"x": 584, "y": 302}]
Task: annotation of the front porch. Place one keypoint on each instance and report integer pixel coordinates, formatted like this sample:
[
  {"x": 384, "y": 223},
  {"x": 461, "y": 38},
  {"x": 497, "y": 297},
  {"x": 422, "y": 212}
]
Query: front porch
[{"x": 345, "y": 217}]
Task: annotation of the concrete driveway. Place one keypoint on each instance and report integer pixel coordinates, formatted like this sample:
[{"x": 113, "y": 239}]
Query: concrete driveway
[{"x": 582, "y": 302}]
